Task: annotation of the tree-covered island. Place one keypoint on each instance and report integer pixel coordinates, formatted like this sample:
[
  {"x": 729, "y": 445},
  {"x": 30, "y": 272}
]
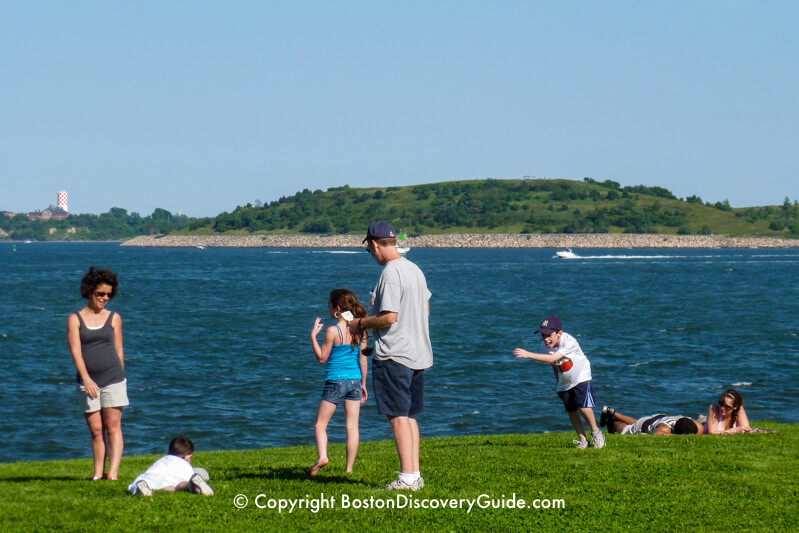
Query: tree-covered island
[{"x": 475, "y": 206}]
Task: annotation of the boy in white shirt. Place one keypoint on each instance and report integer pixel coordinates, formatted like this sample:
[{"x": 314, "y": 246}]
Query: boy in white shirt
[
  {"x": 573, "y": 372},
  {"x": 173, "y": 472}
]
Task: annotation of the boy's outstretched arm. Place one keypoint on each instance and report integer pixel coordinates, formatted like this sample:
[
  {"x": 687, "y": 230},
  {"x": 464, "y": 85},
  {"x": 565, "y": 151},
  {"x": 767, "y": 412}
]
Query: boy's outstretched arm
[{"x": 543, "y": 357}]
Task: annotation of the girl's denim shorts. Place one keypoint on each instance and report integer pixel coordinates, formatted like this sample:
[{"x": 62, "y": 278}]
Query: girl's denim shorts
[{"x": 345, "y": 389}]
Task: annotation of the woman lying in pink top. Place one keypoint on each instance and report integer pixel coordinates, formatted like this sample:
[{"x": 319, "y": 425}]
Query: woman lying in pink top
[{"x": 728, "y": 415}]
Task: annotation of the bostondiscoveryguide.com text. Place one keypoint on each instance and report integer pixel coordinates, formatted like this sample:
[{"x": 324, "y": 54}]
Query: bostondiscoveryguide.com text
[{"x": 395, "y": 501}]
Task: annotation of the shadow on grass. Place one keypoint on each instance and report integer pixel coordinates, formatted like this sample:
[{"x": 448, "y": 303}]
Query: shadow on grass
[
  {"x": 28, "y": 479},
  {"x": 520, "y": 443},
  {"x": 295, "y": 474}
]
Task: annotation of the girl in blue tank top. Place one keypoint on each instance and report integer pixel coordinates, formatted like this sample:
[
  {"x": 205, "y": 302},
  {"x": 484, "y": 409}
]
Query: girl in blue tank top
[{"x": 345, "y": 376}]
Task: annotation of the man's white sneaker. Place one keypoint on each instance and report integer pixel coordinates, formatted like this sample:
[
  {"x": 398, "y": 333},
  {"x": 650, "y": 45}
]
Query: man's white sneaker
[{"x": 398, "y": 484}]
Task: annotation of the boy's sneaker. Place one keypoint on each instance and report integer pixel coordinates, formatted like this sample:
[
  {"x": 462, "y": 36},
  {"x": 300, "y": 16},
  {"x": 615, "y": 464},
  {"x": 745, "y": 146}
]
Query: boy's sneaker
[
  {"x": 599, "y": 438},
  {"x": 607, "y": 415},
  {"x": 200, "y": 486},
  {"x": 582, "y": 444},
  {"x": 398, "y": 484},
  {"x": 143, "y": 488}
]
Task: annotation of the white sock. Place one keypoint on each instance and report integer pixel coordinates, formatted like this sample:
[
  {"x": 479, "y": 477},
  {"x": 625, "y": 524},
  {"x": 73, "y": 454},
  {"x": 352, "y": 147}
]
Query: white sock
[{"x": 410, "y": 479}]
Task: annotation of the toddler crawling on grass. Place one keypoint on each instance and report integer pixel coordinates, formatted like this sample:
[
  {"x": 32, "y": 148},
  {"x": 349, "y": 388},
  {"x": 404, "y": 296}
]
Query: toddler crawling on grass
[{"x": 173, "y": 472}]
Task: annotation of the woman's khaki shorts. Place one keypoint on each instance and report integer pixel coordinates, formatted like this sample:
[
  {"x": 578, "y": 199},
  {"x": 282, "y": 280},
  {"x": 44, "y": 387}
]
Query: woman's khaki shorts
[{"x": 114, "y": 395}]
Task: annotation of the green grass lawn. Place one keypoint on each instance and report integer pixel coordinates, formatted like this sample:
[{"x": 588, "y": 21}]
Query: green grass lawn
[{"x": 677, "y": 483}]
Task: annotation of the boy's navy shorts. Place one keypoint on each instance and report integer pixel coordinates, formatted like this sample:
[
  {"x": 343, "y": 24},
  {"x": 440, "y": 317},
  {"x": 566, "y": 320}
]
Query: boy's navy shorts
[
  {"x": 399, "y": 390},
  {"x": 578, "y": 396}
]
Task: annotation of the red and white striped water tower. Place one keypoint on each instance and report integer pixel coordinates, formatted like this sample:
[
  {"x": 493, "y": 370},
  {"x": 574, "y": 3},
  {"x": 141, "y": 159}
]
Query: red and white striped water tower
[{"x": 63, "y": 201}]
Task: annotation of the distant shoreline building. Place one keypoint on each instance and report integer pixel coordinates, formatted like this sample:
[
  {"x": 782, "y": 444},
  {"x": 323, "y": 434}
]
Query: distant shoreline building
[
  {"x": 60, "y": 211},
  {"x": 51, "y": 213}
]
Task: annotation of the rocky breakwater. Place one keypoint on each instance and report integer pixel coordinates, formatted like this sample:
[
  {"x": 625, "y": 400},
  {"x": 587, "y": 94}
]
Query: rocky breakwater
[
  {"x": 595, "y": 240},
  {"x": 494, "y": 240},
  {"x": 248, "y": 241}
]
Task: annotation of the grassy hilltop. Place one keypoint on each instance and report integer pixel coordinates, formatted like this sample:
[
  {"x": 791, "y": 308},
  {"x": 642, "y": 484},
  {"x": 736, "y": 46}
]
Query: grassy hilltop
[
  {"x": 637, "y": 483},
  {"x": 478, "y": 206},
  {"x": 506, "y": 206}
]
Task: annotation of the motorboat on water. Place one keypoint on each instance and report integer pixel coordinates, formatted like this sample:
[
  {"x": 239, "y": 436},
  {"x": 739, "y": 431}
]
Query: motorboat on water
[
  {"x": 566, "y": 254},
  {"x": 401, "y": 241}
]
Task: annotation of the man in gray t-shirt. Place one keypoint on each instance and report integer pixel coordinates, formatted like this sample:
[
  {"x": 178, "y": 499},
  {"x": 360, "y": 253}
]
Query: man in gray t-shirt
[{"x": 399, "y": 306}]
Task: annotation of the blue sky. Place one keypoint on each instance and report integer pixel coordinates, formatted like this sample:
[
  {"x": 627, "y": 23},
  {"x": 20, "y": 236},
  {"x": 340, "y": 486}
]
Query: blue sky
[{"x": 198, "y": 107}]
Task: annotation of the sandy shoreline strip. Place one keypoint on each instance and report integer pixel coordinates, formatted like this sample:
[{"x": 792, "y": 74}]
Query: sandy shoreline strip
[{"x": 594, "y": 240}]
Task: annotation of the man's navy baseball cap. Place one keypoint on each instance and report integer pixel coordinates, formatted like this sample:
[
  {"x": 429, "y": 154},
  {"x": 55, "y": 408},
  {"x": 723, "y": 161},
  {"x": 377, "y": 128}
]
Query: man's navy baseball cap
[
  {"x": 550, "y": 324},
  {"x": 380, "y": 230}
]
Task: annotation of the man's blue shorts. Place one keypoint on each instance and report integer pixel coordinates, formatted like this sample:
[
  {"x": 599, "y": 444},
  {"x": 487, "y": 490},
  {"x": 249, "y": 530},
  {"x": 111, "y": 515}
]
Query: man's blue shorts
[
  {"x": 399, "y": 390},
  {"x": 578, "y": 396}
]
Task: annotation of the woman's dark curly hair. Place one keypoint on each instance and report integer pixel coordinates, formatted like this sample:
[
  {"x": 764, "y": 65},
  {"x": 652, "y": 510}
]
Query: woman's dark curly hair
[{"x": 98, "y": 276}]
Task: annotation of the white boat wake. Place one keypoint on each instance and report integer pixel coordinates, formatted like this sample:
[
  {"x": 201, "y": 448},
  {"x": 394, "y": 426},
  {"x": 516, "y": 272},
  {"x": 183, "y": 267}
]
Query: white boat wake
[{"x": 334, "y": 252}]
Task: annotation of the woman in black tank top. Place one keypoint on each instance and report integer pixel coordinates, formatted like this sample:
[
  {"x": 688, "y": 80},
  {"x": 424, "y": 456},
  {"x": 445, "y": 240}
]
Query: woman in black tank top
[{"x": 94, "y": 335}]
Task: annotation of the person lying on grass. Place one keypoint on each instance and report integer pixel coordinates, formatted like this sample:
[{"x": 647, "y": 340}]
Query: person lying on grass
[
  {"x": 649, "y": 425},
  {"x": 173, "y": 472},
  {"x": 728, "y": 415}
]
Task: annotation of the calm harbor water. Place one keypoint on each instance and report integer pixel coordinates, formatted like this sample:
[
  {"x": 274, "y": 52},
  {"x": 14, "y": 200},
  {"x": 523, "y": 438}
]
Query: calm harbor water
[{"x": 217, "y": 340}]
